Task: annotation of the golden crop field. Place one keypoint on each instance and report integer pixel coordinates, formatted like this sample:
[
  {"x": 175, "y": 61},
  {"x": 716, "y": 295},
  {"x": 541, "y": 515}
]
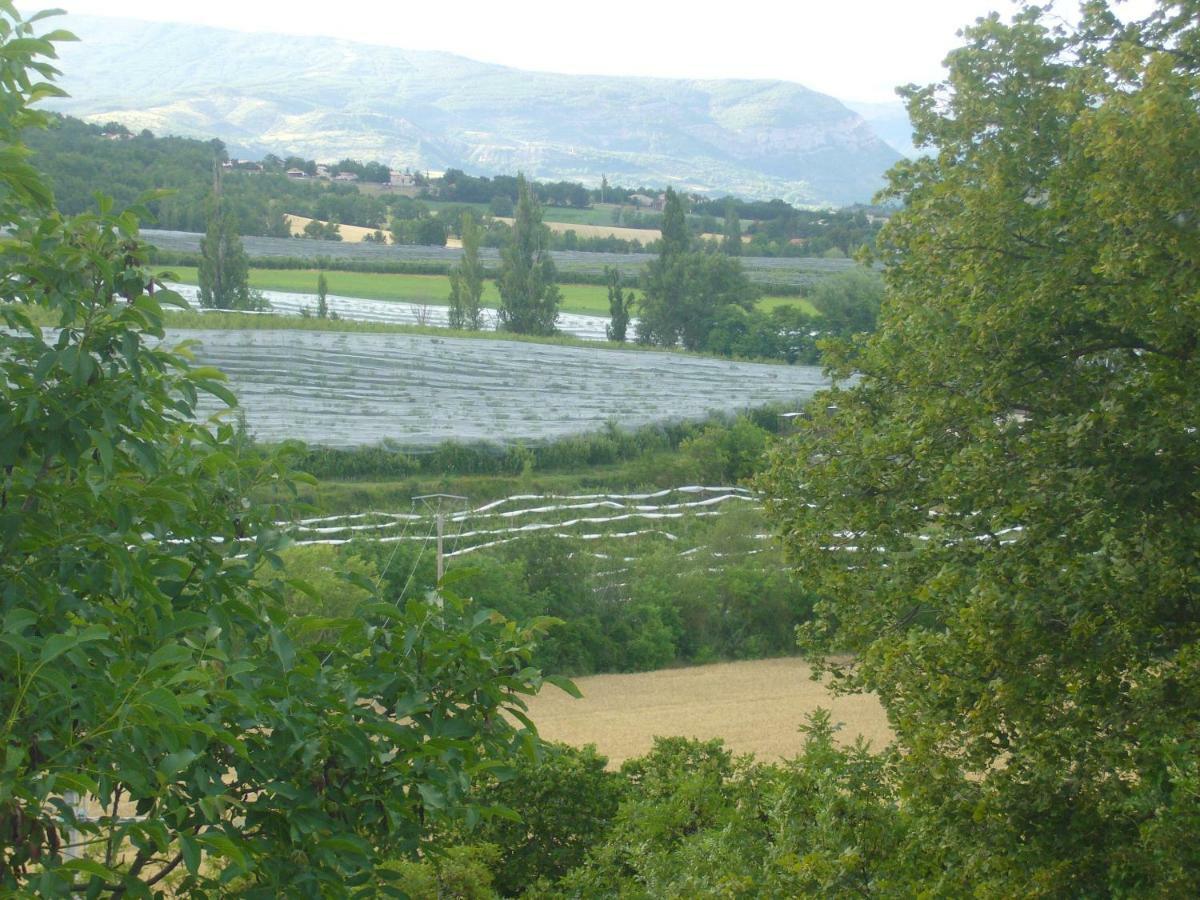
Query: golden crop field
[
  {"x": 350, "y": 233},
  {"x": 642, "y": 235},
  {"x": 755, "y": 706}
]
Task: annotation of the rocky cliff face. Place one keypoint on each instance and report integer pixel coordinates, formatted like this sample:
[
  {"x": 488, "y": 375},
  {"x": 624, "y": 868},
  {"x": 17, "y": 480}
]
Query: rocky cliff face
[{"x": 329, "y": 99}]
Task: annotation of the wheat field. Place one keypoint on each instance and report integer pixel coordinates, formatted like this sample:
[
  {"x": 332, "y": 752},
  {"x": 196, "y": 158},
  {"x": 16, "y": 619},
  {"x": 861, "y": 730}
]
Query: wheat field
[
  {"x": 754, "y": 706},
  {"x": 350, "y": 233}
]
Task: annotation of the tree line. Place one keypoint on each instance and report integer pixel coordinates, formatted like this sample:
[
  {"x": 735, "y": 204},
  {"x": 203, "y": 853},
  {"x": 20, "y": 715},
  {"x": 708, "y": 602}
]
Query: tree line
[
  {"x": 694, "y": 293},
  {"x": 79, "y": 157}
]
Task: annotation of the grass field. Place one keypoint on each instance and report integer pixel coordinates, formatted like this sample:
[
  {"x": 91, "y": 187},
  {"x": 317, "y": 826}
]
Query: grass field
[
  {"x": 586, "y": 299},
  {"x": 754, "y": 706}
]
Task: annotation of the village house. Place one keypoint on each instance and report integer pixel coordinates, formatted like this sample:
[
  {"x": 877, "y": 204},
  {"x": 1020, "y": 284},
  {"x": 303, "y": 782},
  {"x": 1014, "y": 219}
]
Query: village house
[{"x": 296, "y": 173}]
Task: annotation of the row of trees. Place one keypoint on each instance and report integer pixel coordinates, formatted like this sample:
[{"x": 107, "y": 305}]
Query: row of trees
[
  {"x": 76, "y": 159},
  {"x": 694, "y": 295},
  {"x": 529, "y": 295}
]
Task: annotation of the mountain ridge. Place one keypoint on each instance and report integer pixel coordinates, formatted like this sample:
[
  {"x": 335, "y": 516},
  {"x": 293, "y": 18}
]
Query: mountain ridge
[{"x": 326, "y": 98}]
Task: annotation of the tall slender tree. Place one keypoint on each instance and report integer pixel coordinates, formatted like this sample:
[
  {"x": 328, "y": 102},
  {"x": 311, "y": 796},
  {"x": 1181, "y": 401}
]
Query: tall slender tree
[
  {"x": 322, "y": 296},
  {"x": 731, "y": 242},
  {"x": 676, "y": 239},
  {"x": 529, "y": 297},
  {"x": 466, "y": 281},
  {"x": 619, "y": 306},
  {"x": 224, "y": 268}
]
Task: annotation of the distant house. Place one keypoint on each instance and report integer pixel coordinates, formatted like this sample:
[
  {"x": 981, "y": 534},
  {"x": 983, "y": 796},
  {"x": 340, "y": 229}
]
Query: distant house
[
  {"x": 345, "y": 176},
  {"x": 643, "y": 200},
  {"x": 296, "y": 173},
  {"x": 401, "y": 179},
  {"x": 322, "y": 171}
]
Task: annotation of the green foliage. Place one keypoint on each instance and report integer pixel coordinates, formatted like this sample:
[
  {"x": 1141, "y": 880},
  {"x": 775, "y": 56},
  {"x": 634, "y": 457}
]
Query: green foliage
[
  {"x": 78, "y": 160},
  {"x": 322, "y": 296},
  {"x": 730, "y": 599},
  {"x": 459, "y": 873},
  {"x": 572, "y": 453},
  {"x": 324, "y": 582},
  {"x": 727, "y": 454},
  {"x": 501, "y": 205},
  {"x": 786, "y": 333},
  {"x": 323, "y": 230},
  {"x": 466, "y": 282},
  {"x": 620, "y": 305},
  {"x": 849, "y": 302},
  {"x": 731, "y": 235},
  {"x": 676, "y": 238},
  {"x": 146, "y": 674},
  {"x": 684, "y": 292},
  {"x": 566, "y": 802},
  {"x": 696, "y": 822},
  {"x": 683, "y": 295},
  {"x": 529, "y": 297},
  {"x": 1018, "y": 466},
  {"x": 224, "y": 268}
]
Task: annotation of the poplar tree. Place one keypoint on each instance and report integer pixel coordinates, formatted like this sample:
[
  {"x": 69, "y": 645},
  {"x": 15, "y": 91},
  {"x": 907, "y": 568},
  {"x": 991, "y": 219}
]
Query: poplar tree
[
  {"x": 529, "y": 297},
  {"x": 322, "y": 296},
  {"x": 731, "y": 242},
  {"x": 466, "y": 281},
  {"x": 224, "y": 273}
]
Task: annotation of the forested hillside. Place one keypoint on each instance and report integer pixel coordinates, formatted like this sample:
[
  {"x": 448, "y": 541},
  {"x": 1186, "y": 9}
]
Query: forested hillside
[{"x": 81, "y": 159}]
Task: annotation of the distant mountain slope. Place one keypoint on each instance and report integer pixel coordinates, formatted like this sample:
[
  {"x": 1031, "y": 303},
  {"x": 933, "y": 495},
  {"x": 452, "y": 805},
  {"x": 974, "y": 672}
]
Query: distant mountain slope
[
  {"x": 890, "y": 121},
  {"x": 328, "y": 99}
]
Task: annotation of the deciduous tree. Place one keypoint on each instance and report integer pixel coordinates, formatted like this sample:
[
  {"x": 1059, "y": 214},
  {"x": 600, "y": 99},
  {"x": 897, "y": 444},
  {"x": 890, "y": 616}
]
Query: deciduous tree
[{"x": 1002, "y": 513}]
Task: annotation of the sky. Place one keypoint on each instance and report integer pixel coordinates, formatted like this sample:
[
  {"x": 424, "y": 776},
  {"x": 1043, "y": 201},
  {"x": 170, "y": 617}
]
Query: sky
[{"x": 856, "y": 50}]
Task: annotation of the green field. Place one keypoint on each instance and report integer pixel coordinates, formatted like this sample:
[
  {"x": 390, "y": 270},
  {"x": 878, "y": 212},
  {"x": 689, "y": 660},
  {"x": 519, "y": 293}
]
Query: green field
[
  {"x": 766, "y": 304},
  {"x": 587, "y": 299}
]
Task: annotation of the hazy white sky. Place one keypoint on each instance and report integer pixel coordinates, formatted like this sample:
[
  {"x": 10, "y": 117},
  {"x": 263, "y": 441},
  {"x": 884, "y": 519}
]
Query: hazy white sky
[{"x": 852, "y": 49}]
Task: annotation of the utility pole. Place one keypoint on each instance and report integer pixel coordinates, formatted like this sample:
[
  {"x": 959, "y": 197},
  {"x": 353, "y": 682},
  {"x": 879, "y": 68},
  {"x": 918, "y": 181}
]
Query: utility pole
[
  {"x": 440, "y": 518},
  {"x": 441, "y": 555}
]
